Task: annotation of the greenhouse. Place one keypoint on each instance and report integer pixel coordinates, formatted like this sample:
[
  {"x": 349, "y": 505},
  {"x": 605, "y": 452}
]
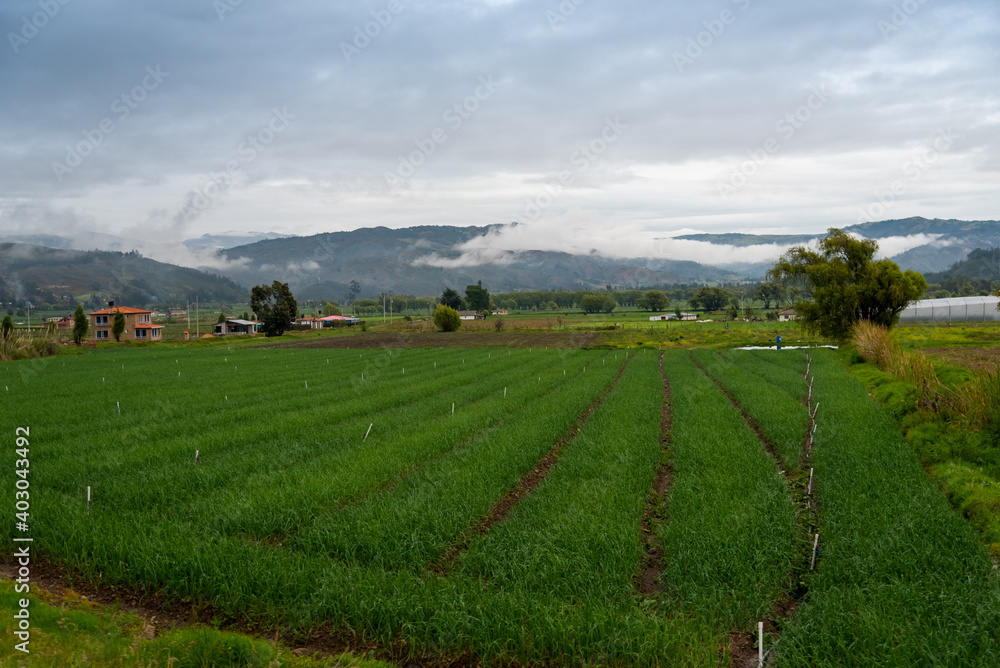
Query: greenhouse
[{"x": 953, "y": 309}]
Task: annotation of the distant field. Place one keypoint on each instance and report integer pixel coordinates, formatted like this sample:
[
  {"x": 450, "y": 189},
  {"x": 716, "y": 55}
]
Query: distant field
[{"x": 530, "y": 504}]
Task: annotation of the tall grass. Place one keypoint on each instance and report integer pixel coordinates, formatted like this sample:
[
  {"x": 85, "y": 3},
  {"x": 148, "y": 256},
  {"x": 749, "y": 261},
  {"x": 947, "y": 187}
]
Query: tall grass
[
  {"x": 24, "y": 346},
  {"x": 973, "y": 404}
]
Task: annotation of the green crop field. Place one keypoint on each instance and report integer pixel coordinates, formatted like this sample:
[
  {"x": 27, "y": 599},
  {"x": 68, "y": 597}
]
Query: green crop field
[{"x": 527, "y": 505}]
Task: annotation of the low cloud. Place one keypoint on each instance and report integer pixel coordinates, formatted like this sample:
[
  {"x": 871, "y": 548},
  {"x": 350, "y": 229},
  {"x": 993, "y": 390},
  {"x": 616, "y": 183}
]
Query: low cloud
[{"x": 586, "y": 233}]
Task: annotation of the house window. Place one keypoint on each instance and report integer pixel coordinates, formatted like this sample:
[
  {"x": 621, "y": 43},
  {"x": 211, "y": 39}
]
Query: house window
[
  {"x": 156, "y": 333},
  {"x": 101, "y": 320},
  {"x": 140, "y": 333},
  {"x": 102, "y": 334}
]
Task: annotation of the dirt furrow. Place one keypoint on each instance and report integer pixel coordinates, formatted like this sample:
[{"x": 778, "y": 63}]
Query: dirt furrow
[
  {"x": 525, "y": 486},
  {"x": 647, "y": 581}
]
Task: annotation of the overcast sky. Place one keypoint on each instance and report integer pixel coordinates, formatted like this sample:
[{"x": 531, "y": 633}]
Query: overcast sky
[{"x": 589, "y": 121}]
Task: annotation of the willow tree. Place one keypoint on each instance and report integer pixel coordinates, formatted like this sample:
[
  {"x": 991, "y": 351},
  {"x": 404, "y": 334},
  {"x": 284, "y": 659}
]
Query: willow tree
[{"x": 843, "y": 283}]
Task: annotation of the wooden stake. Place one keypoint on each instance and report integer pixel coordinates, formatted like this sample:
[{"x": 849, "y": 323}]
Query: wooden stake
[{"x": 760, "y": 643}]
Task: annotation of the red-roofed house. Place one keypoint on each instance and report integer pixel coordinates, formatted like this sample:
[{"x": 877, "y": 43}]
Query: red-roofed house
[{"x": 137, "y": 324}]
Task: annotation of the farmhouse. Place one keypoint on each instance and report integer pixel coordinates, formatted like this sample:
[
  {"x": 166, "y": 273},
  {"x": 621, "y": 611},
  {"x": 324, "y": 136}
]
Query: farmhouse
[
  {"x": 470, "y": 315},
  {"x": 786, "y": 315},
  {"x": 235, "y": 326},
  {"x": 137, "y": 324},
  {"x": 307, "y": 321}
]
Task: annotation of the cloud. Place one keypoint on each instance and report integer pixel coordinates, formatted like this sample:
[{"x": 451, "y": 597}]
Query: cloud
[
  {"x": 585, "y": 233},
  {"x": 355, "y": 120}
]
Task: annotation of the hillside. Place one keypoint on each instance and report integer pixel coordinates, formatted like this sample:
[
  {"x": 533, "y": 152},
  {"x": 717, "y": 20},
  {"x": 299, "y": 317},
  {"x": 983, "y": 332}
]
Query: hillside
[
  {"x": 322, "y": 266},
  {"x": 981, "y": 268},
  {"x": 57, "y": 277}
]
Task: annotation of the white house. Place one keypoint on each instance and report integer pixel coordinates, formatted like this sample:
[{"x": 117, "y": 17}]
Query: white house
[
  {"x": 673, "y": 316},
  {"x": 786, "y": 315}
]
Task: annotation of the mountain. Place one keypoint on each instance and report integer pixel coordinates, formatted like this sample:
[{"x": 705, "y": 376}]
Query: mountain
[
  {"x": 981, "y": 268},
  {"x": 951, "y": 239},
  {"x": 57, "y": 277},
  {"x": 423, "y": 261},
  {"x": 230, "y": 239}
]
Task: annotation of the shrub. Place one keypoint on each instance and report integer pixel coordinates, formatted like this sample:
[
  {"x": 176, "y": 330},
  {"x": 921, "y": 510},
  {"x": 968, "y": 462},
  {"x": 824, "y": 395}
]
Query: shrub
[{"x": 446, "y": 318}]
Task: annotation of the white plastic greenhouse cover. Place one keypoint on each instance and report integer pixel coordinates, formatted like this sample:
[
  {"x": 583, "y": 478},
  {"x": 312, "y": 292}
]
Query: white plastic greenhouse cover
[{"x": 953, "y": 309}]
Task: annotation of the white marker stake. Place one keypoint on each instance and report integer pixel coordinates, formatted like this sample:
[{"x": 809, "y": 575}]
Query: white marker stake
[
  {"x": 368, "y": 432},
  {"x": 505, "y": 393},
  {"x": 178, "y": 374},
  {"x": 435, "y": 365},
  {"x": 453, "y": 408},
  {"x": 810, "y": 482},
  {"x": 88, "y": 499},
  {"x": 196, "y": 457},
  {"x": 119, "y": 407},
  {"x": 564, "y": 372},
  {"x": 815, "y": 545},
  {"x": 227, "y": 397},
  {"x": 760, "y": 643},
  {"x": 362, "y": 376},
  {"x": 307, "y": 384}
]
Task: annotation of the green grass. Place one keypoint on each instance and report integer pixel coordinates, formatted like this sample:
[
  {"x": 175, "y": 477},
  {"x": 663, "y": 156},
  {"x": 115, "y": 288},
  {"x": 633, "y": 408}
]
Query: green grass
[
  {"x": 775, "y": 406},
  {"x": 70, "y": 633},
  {"x": 730, "y": 541},
  {"x": 294, "y": 520},
  {"x": 902, "y": 580}
]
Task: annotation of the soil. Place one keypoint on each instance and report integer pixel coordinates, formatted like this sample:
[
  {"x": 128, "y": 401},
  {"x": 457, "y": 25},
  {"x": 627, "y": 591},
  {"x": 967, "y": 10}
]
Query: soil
[
  {"x": 527, "y": 484},
  {"x": 647, "y": 582},
  {"x": 369, "y": 340}
]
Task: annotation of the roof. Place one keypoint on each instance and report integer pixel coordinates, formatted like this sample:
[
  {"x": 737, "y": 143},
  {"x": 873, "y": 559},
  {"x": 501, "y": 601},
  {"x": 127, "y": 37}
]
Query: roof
[
  {"x": 149, "y": 327},
  {"x": 239, "y": 321},
  {"x": 337, "y": 317},
  {"x": 787, "y": 311},
  {"x": 127, "y": 310}
]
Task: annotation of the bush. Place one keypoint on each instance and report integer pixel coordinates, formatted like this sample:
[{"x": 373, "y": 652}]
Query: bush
[{"x": 446, "y": 318}]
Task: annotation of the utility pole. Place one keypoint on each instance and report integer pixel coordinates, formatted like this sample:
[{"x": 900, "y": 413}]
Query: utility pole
[{"x": 197, "y": 331}]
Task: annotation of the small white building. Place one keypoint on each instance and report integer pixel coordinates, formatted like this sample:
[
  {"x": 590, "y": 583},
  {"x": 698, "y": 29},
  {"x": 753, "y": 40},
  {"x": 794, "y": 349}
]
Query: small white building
[
  {"x": 236, "y": 326},
  {"x": 470, "y": 315},
  {"x": 786, "y": 315},
  {"x": 673, "y": 316}
]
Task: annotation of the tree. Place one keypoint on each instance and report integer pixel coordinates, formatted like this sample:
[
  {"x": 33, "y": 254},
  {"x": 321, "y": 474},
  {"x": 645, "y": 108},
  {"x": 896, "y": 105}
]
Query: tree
[
  {"x": 451, "y": 299},
  {"x": 118, "y": 325},
  {"x": 6, "y": 326},
  {"x": 770, "y": 292},
  {"x": 446, "y": 318},
  {"x": 847, "y": 284},
  {"x": 355, "y": 290},
  {"x": 80, "y": 325},
  {"x": 477, "y": 298},
  {"x": 330, "y": 308},
  {"x": 221, "y": 318},
  {"x": 654, "y": 300},
  {"x": 597, "y": 303},
  {"x": 275, "y": 307},
  {"x": 709, "y": 299}
]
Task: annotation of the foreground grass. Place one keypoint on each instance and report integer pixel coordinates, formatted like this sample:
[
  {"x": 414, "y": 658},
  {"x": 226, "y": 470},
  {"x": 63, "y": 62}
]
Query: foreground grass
[{"x": 73, "y": 632}]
